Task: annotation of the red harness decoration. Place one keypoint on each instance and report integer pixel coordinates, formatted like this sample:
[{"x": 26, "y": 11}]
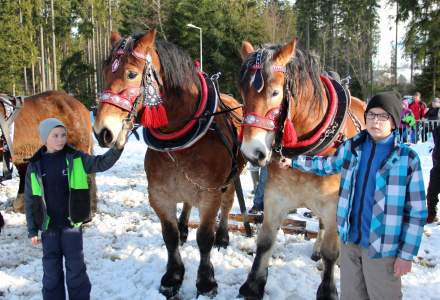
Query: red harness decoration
[
  {"x": 290, "y": 139},
  {"x": 123, "y": 99}
]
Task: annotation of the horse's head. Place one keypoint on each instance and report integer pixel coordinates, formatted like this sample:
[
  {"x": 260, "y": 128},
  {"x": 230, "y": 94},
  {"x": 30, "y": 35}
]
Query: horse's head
[
  {"x": 263, "y": 80},
  {"x": 131, "y": 77}
]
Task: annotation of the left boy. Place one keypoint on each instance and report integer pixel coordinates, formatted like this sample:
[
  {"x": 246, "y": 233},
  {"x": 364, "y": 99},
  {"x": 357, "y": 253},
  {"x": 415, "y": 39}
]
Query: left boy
[{"x": 57, "y": 201}]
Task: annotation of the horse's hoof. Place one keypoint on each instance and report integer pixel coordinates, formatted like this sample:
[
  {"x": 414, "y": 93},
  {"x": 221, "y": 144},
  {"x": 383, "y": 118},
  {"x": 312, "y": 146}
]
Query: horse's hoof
[
  {"x": 206, "y": 283},
  {"x": 327, "y": 291},
  {"x": 170, "y": 292},
  {"x": 211, "y": 294},
  {"x": 221, "y": 240},
  {"x": 316, "y": 255},
  {"x": 251, "y": 291}
]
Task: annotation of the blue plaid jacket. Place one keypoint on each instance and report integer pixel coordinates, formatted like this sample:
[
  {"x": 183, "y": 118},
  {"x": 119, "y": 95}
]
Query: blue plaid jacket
[{"x": 399, "y": 210}]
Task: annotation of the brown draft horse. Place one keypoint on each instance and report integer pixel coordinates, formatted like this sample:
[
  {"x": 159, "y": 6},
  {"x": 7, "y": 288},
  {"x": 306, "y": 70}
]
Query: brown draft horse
[
  {"x": 26, "y": 141},
  {"x": 197, "y": 175},
  {"x": 263, "y": 85}
]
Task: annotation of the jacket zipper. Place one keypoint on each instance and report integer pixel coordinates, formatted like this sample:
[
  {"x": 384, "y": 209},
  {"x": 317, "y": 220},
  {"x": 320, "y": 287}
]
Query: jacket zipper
[{"x": 364, "y": 187}]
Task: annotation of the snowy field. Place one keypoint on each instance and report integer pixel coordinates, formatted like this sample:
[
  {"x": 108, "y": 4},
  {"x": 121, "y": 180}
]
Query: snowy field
[{"x": 126, "y": 256}]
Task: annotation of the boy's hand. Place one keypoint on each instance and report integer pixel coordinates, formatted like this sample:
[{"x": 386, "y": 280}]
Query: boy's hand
[
  {"x": 35, "y": 240},
  {"x": 285, "y": 163},
  {"x": 402, "y": 267},
  {"x": 127, "y": 126}
]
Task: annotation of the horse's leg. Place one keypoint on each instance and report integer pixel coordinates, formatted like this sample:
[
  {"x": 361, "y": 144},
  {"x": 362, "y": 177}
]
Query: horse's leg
[
  {"x": 329, "y": 253},
  {"x": 91, "y": 178},
  {"x": 222, "y": 234},
  {"x": 208, "y": 208},
  {"x": 183, "y": 222},
  {"x": 172, "y": 279},
  {"x": 316, "y": 255},
  {"x": 274, "y": 213},
  {"x": 18, "y": 203}
]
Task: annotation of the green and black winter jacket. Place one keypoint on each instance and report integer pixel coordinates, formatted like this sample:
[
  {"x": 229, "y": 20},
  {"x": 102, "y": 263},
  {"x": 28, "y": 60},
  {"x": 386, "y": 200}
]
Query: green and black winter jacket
[{"x": 79, "y": 164}]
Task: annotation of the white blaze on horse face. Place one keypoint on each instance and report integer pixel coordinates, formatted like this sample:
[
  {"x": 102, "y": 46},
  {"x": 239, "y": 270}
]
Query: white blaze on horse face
[{"x": 258, "y": 149}]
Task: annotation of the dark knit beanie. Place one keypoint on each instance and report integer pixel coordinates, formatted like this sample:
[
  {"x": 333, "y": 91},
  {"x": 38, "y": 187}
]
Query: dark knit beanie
[{"x": 389, "y": 102}]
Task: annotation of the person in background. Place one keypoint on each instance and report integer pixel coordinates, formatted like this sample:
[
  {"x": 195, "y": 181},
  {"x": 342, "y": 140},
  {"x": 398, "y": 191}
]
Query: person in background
[
  {"x": 434, "y": 179},
  {"x": 258, "y": 205},
  {"x": 419, "y": 109},
  {"x": 57, "y": 202},
  {"x": 408, "y": 122},
  {"x": 433, "y": 115},
  {"x": 382, "y": 205}
]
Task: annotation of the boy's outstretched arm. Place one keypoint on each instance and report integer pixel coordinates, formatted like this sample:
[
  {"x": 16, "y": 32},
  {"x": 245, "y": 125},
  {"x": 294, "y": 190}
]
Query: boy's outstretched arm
[
  {"x": 319, "y": 165},
  {"x": 101, "y": 163}
]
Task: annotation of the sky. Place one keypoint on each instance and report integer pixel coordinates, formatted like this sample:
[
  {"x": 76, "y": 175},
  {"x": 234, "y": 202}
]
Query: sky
[{"x": 387, "y": 28}]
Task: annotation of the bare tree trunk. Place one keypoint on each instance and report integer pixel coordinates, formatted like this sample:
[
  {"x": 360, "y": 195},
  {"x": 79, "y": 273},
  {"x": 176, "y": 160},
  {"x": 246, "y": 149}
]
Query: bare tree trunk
[
  {"x": 110, "y": 20},
  {"x": 412, "y": 68},
  {"x": 33, "y": 78},
  {"x": 26, "y": 88},
  {"x": 99, "y": 44},
  {"x": 157, "y": 5},
  {"x": 42, "y": 61},
  {"x": 95, "y": 86},
  {"x": 54, "y": 50},
  {"x": 49, "y": 71},
  {"x": 434, "y": 76}
]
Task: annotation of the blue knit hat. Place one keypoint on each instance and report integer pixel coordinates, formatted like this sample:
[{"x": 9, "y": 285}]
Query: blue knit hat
[{"x": 46, "y": 127}]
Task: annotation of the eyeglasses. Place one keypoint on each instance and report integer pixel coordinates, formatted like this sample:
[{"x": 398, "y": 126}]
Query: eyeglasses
[{"x": 380, "y": 117}]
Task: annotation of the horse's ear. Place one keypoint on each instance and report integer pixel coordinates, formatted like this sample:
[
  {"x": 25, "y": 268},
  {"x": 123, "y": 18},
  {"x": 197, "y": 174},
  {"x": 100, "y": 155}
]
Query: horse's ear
[
  {"x": 114, "y": 38},
  {"x": 246, "y": 49},
  {"x": 283, "y": 55},
  {"x": 146, "y": 41}
]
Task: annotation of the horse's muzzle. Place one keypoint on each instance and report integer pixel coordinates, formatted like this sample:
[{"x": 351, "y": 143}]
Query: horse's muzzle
[{"x": 104, "y": 138}]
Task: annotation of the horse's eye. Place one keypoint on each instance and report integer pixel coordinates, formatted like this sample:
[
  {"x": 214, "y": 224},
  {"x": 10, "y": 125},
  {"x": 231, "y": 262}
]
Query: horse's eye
[
  {"x": 132, "y": 75},
  {"x": 275, "y": 93}
]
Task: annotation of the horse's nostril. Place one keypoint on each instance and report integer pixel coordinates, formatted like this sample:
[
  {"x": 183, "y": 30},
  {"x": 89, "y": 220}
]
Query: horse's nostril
[
  {"x": 106, "y": 136},
  {"x": 260, "y": 155}
]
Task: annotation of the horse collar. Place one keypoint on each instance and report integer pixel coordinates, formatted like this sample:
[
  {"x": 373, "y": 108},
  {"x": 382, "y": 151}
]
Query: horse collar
[
  {"x": 329, "y": 134},
  {"x": 194, "y": 130}
]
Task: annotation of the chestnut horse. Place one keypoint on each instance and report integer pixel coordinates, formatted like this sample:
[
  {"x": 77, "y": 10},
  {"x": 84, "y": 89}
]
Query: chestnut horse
[
  {"x": 198, "y": 174},
  {"x": 282, "y": 89},
  {"x": 26, "y": 141}
]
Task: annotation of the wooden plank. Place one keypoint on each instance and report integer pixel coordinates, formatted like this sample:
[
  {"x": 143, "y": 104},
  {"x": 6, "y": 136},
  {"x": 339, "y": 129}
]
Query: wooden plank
[
  {"x": 258, "y": 219},
  {"x": 288, "y": 229}
]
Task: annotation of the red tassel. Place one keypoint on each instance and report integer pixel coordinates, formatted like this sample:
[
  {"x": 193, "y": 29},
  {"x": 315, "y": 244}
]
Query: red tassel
[
  {"x": 289, "y": 134},
  {"x": 162, "y": 115},
  {"x": 146, "y": 119}
]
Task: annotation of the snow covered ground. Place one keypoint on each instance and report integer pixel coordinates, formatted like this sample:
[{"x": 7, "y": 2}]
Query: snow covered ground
[{"x": 126, "y": 256}]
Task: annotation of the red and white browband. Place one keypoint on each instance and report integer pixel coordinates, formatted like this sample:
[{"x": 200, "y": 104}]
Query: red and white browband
[
  {"x": 123, "y": 100},
  {"x": 268, "y": 122}
]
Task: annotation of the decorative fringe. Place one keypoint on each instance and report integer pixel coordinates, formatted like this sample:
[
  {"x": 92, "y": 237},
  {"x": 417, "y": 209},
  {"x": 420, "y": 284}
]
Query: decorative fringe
[
  {"x": 146, "y": 119},
  {"x": 289, "y": 134},
  {"x": 154, "y": 116},
  {"x": 162, "y": 115}
]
